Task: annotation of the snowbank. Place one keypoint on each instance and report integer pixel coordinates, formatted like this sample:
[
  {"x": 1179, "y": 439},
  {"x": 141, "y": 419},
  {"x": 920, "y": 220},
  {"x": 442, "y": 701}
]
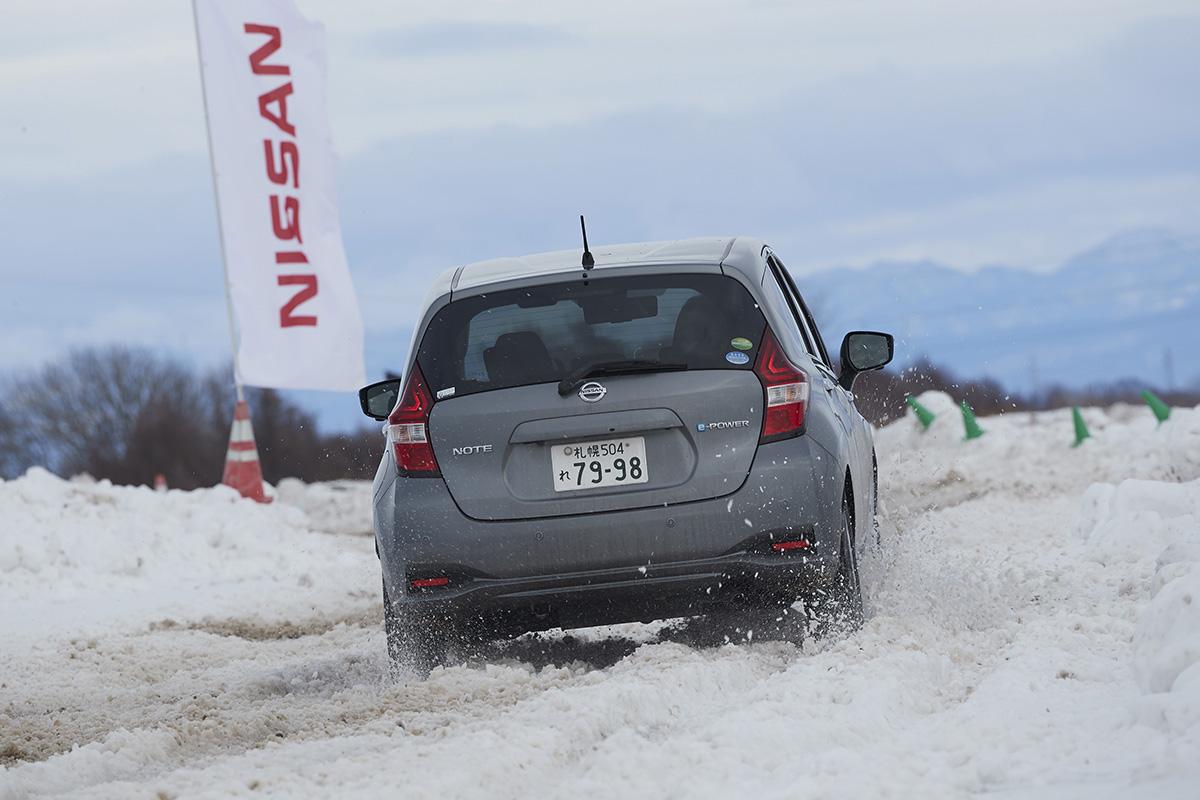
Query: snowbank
[
  {"x": 1138, "y": 517},
  {"x": 75, "y": 552},
  {"x": 332, "y": 506},
  {"x": 1031, "y": 454}
]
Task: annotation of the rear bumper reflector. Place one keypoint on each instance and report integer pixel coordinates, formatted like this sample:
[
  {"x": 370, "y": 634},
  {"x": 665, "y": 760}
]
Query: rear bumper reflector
[
  {"x": 796, "y": 544},
  {"x": 429, "y": 583}
]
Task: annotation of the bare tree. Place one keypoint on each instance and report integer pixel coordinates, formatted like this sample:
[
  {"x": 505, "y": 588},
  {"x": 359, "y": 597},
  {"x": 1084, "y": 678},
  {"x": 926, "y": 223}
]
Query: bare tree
[
  {"x": 128, "y": 414},
  {"x": 117, "y": 412},
  {"x": 18, "y": 445}
]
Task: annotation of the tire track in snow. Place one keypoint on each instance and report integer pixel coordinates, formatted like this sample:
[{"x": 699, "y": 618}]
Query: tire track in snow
[{"x": 210, "y": 688}]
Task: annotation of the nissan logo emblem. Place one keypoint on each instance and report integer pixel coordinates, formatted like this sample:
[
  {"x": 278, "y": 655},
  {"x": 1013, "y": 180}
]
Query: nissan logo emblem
[{"x": 592, "y": 392}]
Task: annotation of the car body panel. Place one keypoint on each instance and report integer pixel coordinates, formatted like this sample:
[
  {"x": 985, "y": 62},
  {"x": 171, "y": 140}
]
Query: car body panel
[
  {"x": 494, "y": 472},
  {"x": 563, "y": 264}
]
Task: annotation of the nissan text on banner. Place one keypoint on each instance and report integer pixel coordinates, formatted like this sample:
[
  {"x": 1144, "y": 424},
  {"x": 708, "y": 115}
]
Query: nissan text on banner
[{"x": 292, "y": 301}]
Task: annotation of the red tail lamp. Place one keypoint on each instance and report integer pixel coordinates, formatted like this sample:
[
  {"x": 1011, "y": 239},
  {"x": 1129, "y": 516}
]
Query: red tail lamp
[{"x": 785, "y": 388}]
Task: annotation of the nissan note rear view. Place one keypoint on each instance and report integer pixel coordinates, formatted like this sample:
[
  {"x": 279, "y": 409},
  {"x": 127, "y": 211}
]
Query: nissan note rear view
[{"x": 660, "y": 435}]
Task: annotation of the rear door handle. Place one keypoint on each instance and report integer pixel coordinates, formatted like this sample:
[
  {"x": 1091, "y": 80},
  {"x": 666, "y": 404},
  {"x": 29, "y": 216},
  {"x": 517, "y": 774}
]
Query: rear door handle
[{"x": 612, "y": 422}]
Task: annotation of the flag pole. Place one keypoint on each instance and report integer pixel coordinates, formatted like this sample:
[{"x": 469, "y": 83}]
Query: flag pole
[{"x": 212, "y": 164}]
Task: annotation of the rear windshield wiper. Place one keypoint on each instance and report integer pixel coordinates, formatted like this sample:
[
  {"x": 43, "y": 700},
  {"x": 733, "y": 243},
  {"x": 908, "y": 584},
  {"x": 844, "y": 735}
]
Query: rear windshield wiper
[{"x": 572, "y": 381}]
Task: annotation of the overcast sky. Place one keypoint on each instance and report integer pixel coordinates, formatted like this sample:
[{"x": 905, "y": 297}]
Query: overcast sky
[{"x": 1016, "y": 133}]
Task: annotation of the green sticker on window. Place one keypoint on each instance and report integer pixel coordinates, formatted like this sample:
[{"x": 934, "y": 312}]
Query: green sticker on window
[{"x": 741, "y": 343}]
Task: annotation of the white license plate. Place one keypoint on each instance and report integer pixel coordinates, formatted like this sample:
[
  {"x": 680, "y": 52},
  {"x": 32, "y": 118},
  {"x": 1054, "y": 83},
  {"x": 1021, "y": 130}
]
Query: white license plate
[{"x": 592, "y": 465}]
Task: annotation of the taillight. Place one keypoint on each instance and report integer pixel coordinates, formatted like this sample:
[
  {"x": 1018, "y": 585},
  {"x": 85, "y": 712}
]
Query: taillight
[
  {"x": 408, "y": 429},
  {"x": 786, "y": 391}
]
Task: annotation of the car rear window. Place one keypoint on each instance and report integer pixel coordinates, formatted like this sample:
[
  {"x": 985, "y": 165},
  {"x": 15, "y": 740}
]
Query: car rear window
[{"x": 542, "y": 333}]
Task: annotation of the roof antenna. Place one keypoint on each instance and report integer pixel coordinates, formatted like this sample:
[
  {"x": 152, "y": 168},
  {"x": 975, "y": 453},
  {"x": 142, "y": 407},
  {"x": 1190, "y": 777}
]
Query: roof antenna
[{"x": 588, "y": 260}]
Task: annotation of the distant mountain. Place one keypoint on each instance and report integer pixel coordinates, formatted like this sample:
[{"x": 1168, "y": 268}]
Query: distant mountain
[{"x": 1112, "y": 312}]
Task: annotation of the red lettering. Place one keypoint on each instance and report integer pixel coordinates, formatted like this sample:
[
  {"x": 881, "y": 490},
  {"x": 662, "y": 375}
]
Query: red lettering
[
  {"x": 283, "y": 167},
  {"x": 287, "y": 315},
  {"x": 286, "y": 223},
  {"x": 268, "y": 49},
  {"x": 279, "y": 97},
  {"x": 288, "y": 152}
]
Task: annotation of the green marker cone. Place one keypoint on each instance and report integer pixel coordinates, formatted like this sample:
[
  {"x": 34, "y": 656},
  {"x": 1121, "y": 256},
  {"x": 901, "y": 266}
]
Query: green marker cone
[
  {"x": 925, "y": 416},
  {"x": 1081, "y": 431},
  {"x": 972, "y": 427},
  {"x": 1161, "y": 410}
]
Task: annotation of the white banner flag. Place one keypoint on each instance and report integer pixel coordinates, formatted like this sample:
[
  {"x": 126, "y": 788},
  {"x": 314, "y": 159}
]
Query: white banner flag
[{"x": 297, "y": 319}]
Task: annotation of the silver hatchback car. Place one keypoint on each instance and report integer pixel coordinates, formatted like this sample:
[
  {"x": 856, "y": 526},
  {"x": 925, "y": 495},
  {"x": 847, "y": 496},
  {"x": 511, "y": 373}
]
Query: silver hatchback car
[{"x": 660, "y": 433}]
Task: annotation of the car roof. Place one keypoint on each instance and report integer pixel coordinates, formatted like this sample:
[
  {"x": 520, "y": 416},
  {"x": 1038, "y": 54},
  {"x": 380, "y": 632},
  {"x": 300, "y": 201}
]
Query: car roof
[{"x": 711, "y": 250}]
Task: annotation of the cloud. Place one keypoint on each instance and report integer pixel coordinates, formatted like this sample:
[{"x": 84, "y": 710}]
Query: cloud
[
  {"x": 90, "y": 87},
  {"x": 438, "y": 38}
]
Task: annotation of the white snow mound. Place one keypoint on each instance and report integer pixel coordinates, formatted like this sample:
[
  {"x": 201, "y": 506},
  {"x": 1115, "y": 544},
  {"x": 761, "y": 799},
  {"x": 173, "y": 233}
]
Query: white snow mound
[
  {"x": 77, "y": 551},
  {"x": 332, "y": 506}
]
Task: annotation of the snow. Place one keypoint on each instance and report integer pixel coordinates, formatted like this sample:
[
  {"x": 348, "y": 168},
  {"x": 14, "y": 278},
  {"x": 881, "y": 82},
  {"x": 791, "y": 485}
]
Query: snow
[
  {"x": 333, "y": 507},
  {"x": 78, "y": 557},
  {"x": 1033, "y": 630}
]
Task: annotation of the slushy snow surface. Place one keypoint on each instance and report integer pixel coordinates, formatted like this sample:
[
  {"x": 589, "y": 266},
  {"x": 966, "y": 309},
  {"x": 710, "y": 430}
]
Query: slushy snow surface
[{"x": 1033, "y": 631}]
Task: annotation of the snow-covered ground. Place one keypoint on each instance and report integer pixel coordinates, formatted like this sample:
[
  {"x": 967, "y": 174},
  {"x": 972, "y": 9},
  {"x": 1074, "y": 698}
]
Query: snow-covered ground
[{"x": 1033, "y": 631}]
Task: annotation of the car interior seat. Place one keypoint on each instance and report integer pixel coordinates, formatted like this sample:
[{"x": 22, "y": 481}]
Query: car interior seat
[
  {"x": 519, "y": 357},
  {"x": 701, "y": 332}
]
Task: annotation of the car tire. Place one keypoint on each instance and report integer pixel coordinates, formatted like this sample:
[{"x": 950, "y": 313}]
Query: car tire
[
  {"x": 875, "y": 500},
  {"x": 413, "y": 643},
  {"x": 838, "y": 607},
  {"x": 745, "y": 625}
]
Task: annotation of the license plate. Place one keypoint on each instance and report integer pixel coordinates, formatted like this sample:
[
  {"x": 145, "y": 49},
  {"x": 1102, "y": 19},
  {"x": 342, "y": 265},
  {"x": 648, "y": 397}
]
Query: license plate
[{"x": 592, "y": 465}]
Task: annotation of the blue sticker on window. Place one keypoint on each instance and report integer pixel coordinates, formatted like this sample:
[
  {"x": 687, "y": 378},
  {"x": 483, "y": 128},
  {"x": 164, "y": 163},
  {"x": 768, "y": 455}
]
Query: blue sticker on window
[{"x": 737, "y": 357}]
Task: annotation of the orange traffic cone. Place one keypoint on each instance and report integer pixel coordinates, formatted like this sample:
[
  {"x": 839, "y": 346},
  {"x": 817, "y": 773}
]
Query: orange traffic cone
[{"x": 242, "y": 470}]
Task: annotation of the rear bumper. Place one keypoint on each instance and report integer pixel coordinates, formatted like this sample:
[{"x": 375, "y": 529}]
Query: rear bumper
[
  {"x": 633, "y": 565},
  {"x": 499, "y": 606}
]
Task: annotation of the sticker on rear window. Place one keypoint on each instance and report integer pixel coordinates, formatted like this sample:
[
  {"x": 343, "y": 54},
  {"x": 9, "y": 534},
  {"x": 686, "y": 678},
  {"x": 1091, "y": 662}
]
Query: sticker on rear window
[
  {"x": 741, "y": 343},
  {"x": 737, "y": 357}
]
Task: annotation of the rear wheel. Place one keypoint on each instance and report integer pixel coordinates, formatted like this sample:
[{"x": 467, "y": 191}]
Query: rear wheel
[
  {"x": 413, "y": 642},
  {"x": 838, "y": 607},
  {"x": 835, "y": 608},
  {"x": 875, "y": 499},
  {"x": 745, "y": 625}
]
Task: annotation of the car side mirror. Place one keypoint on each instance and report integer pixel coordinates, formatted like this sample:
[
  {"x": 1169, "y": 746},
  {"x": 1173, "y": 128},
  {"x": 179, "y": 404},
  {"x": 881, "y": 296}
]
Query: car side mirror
[
  {"x": 863, "y": 351},
  {"x": 378, "y": 399}
]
